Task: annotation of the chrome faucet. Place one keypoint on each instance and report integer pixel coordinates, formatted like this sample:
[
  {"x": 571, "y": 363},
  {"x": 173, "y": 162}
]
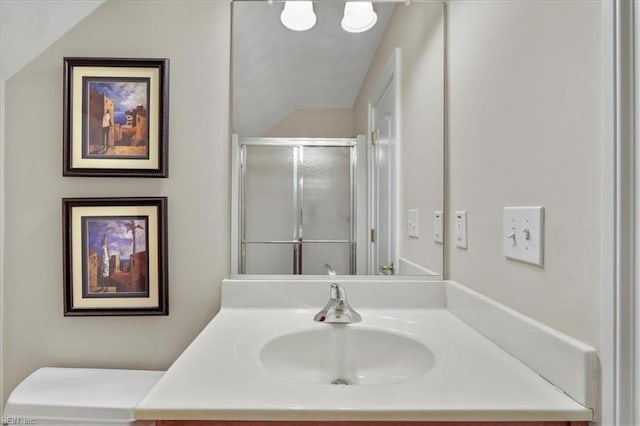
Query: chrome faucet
[{"x": 337, "y": 310}]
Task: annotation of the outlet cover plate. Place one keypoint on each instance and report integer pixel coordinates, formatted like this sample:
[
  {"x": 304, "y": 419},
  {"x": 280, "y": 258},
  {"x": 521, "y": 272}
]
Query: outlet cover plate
[
  {"x": 438, "y": 228},
  {"x": 412, "y": 223},
  {"x": 461, "y": 229},
  {"x": 523, "y": 234}
]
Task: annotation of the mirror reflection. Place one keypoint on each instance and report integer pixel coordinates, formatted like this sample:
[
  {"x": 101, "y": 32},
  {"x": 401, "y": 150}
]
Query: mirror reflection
[{"x": 338, "y": 138}]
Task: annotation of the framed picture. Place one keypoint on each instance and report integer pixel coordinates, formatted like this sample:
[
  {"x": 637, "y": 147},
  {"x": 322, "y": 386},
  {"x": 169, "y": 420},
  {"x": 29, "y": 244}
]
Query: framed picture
[
  {"x": 115, "y": 256},
  {"x": 115, "y": 114}
]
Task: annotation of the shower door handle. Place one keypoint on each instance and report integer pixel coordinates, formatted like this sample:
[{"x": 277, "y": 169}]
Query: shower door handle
[{"x": 297, "y": 258}]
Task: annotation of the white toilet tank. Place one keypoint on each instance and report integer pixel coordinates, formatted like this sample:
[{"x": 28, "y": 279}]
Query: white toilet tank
[{"x": 79, "y": 396}]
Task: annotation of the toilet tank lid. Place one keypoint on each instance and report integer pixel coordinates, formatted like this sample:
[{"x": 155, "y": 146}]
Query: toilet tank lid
[{"x": 81, "y": 393}]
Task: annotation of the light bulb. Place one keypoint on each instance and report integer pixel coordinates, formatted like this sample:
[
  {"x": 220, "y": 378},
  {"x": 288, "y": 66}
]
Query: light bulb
[
  {"x": 359, "y": 16},
  {"x": 298, "y": 15}
]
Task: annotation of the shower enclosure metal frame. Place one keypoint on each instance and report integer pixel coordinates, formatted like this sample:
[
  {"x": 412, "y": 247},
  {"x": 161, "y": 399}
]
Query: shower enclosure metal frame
[{"x": 239, "y": 237}]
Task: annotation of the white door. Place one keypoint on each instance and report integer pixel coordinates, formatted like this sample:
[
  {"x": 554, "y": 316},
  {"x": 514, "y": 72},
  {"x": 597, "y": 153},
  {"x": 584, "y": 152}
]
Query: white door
[{"x": 383, "y": 138}]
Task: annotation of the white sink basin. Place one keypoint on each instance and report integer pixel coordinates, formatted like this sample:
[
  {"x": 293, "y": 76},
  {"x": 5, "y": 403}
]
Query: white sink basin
[{"x": 344, "y": 354}]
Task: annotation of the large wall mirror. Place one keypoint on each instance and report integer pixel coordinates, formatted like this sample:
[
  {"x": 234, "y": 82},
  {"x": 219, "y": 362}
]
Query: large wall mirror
[{"x": 338, "y": 138}]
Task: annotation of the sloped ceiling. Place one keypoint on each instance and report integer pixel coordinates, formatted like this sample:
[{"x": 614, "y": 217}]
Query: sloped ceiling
[
  {"x": 276, "y": 70},
  {"x": 28, "y": 27}
]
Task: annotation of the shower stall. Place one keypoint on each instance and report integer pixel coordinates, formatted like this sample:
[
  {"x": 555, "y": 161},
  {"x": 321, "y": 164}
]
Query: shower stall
[{"x": 296, "y": 204}]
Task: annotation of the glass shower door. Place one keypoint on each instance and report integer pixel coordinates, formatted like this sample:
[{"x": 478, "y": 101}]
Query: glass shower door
[
  {"x": 326, "y": 209},
  {"x": 268, "y": 212},
  {"x": 297, "y": 202}
]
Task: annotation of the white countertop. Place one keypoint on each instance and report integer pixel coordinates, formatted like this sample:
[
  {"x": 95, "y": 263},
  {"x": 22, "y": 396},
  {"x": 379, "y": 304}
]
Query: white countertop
[{"x": 219, "y": 376}]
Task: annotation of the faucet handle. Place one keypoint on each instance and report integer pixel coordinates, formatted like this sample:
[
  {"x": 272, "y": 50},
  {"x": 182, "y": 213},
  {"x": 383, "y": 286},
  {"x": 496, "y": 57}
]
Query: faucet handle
[
  {"x": 337, "y": 291},
  {"x": 337, "y": 310}
]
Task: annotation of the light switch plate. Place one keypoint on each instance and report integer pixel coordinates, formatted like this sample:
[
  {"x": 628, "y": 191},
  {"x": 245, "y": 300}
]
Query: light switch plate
[
  {"x": 523, "y": 234},
  {"x": 461, "y": 229},
  {"x": 437, "y": 227},
  {"x": 412, "y": 223}
]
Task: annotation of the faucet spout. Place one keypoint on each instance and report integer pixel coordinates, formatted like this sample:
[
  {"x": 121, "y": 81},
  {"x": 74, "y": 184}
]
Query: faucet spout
[
  {"x": 337, "y": 310},
  {"x": 330, "y": 270}
]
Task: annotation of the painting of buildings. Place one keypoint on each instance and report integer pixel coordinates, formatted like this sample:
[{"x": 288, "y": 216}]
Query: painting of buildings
[
  {"x": 117, "y": 118},
  {"x": 139, "y": 278},
  {"x": 116, "y": 261},
  {"x": 92, "y": 269}
]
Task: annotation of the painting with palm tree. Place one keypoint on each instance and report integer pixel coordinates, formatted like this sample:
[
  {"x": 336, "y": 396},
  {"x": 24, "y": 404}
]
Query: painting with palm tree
[{"x": 115, "y": 257}]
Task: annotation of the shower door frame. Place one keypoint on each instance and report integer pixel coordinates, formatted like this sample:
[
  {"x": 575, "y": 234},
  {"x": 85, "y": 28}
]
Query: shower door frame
[{"x": 239, "y": 238}]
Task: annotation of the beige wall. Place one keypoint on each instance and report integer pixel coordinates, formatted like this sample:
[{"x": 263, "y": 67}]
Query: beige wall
[
  {"x": 524, "y": 129},
  {"x": 419, "y": 32},
  {"x": 35, "y": 332},
  {"x": 524, "y": 109},
  {"x": 314, "y": 123}
]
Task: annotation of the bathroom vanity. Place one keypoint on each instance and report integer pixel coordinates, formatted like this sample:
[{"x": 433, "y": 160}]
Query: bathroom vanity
[{"x": 412, "y": 358}]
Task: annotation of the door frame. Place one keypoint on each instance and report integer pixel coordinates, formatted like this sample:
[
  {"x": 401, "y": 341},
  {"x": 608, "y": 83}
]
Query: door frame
[
  {"x": 620, "y": 327},
  {"x": 238, "y": 211},
  {"x": 392, "y": 74}
]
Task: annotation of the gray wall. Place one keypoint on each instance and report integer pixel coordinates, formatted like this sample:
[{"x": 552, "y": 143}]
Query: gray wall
[{"x": 195, "y": 36}]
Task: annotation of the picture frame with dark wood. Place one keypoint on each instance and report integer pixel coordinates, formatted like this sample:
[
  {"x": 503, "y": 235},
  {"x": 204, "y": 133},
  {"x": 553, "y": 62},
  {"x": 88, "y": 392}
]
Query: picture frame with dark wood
[
  {"x": 116, "y": 117},
  {"x": 115, "y": 256}
]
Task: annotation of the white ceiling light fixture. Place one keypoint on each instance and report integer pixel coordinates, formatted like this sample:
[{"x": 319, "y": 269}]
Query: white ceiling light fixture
[
  {"x": 359, "y": 16},
  {"x": 298, "y": 15}
]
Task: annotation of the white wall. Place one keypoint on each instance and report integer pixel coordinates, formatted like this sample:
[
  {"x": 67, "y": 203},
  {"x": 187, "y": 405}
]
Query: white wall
[
  {"x": 35, "y": 331},
  {"x": 314, "y": 123},
  {"x": 524, "y": 123},
  {"x": 419, "y": 32}
]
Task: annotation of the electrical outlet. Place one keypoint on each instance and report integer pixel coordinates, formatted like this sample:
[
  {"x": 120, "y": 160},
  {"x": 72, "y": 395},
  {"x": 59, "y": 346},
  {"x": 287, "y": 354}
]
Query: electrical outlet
[{"x": 461, "y": 229}]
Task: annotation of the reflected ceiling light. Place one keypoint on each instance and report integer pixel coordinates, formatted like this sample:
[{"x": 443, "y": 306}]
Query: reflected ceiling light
[
  {"x": 359, "y": 16},
  {"x": 298, "y": 15}
]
